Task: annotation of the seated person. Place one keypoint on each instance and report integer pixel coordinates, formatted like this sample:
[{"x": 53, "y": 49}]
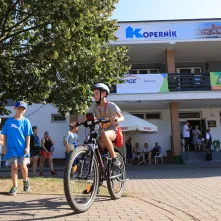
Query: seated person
[
  {"x": 136, "y": 151},
  {"x": 154, "y": 152},
  {"x": 145, "y": 149}
]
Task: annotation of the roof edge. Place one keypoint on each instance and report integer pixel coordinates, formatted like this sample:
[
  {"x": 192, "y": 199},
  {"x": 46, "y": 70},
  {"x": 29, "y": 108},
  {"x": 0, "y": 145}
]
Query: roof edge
[{"x": 175, "y": 20}]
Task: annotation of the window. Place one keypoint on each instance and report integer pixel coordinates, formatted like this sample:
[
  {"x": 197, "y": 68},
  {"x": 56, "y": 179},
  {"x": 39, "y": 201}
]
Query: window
[
  {"x": 132, "y": 72},
  {"x": 153, "y": 116},
  {"x": 55, "y": 118},
  {"x": 189, "y": 70},
  {"x": 144, "y": 71},
  {"x": 146, "y": 116},
  {"x": 140, "y": 115}
]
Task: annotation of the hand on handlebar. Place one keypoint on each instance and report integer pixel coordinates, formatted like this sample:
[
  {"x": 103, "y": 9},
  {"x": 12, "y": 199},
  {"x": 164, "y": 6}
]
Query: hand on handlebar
[{"x": 114, "y": 119}]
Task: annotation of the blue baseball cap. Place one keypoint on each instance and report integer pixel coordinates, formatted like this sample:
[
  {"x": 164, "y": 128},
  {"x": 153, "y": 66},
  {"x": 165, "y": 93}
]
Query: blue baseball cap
[{"x": 21, "y": 104}]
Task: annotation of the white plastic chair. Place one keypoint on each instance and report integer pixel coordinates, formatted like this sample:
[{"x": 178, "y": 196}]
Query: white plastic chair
[{"x": 159, "y": 157}]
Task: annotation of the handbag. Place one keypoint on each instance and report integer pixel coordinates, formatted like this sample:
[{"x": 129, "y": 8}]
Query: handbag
[{"x": 119, "y": 141}]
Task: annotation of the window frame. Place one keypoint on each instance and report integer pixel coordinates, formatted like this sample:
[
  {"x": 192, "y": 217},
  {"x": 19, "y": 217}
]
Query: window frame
[
  {"x": 57, "y": 121},
  {"x": 145, "y": 69},
  {"x": 144, "y": 115},
  {"x": 177, "y": 70}
]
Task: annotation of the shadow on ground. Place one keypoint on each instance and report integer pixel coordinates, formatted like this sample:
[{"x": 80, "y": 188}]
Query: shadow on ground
[{"x": 37, "y": 209}]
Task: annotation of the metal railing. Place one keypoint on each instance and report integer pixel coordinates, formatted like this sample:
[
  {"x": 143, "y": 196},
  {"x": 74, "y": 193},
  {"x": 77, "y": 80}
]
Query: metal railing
[{"x": 189, "y": 82}]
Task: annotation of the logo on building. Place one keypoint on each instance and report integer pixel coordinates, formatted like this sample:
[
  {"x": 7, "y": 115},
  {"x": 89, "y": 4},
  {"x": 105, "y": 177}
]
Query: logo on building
[
  {"x": 136, "y": 32},
  {"x": 131, "y": 79}
]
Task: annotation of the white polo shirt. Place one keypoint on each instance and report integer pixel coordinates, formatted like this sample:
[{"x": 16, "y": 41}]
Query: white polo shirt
[{"x": 186, "y": 132}]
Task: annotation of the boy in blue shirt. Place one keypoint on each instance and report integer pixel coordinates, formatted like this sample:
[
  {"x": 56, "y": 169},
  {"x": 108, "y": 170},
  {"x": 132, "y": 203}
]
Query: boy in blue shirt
[
  {"x": 16, "y": 145},
  {"x": 71, "y": 140}
]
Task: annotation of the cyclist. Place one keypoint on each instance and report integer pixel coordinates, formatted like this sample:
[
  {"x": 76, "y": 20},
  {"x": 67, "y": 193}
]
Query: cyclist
[{"x": 103, "y": 108}]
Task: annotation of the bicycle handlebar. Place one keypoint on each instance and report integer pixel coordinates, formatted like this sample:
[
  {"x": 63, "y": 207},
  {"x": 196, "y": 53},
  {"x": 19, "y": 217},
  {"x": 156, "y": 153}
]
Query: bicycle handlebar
[{"x": 96, "y": 121}]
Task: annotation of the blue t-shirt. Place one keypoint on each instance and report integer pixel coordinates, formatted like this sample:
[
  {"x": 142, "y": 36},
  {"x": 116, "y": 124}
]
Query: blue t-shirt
[
  {"x": 16, "y": 132},
  {"x": 72, "y": 139}
]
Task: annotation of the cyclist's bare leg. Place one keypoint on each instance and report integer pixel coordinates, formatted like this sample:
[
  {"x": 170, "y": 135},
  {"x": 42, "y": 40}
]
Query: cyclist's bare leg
[{"x": 106, "y": 139}]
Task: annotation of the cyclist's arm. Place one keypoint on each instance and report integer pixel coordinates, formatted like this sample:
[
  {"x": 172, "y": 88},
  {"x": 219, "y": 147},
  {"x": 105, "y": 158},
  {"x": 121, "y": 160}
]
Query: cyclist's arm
[
  {"x": 83, "y": 117},
  {"x": 119, "y": 116}
]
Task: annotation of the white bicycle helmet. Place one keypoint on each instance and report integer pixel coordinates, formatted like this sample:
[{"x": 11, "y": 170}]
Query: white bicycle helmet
[{"x": 102, "y": 87}]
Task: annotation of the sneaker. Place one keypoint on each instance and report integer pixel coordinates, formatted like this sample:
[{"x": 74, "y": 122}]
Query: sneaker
[
  {"x": 90, "y": 190},
  {"x": 53, "y": 172},
  {"x": 41, "y": 174},
  {"x": 13, "y": 190},
  {"x": 116, "y": 162},
  {"x": 26, "y": 185}
]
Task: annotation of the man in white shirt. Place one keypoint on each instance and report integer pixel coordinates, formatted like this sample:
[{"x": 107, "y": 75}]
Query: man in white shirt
[{"x": 186, "y": 135}]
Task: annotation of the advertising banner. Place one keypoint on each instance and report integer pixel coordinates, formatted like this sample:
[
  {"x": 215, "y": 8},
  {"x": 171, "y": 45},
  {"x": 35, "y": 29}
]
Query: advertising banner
[
  {"x": 165, "y": 31},
  {"x": 143, "y": 83},
  {"x": 215, "y": 79}
]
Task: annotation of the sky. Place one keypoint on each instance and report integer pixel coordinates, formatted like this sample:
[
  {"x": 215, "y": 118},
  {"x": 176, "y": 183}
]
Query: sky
[{"x": 138, "y": 10}]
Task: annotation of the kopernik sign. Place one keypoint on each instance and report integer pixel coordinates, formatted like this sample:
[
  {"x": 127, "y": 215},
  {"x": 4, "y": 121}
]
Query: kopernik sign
[
  {"x": 165, "y": 31},
  {"x": 143, "y": 83}
]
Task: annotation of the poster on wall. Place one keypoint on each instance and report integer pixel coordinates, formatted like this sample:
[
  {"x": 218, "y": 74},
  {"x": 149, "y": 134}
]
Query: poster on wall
[
  {"x": 211, "y": 123},
  {"x": 168, "y": 31},
  {"x": 143, "y": 83},
  {"x": 215, "y": 79}
]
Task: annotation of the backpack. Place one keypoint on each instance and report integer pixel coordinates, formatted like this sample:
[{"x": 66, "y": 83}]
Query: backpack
[{"x": 119, "y": 141}]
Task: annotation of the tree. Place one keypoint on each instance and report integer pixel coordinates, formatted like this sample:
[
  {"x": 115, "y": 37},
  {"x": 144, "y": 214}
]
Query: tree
[{"x": 53, "y": 51}]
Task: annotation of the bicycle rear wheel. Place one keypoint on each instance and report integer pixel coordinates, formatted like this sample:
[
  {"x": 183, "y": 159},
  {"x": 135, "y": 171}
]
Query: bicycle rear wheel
[
  {"x": 115, "y": 178},
  {"x": 81, "y": 189}
]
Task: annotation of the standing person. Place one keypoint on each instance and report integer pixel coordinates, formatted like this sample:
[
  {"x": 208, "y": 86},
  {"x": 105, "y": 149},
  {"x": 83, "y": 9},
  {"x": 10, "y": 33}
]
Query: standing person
[
  {"x": 129, "y": 153},
  {"x": 197, "y": 136},
  {"x": 71, "y": 140},
  {"x": 208, "y": 145},
  {"x": 186, "y": 135},
  {"x": 16, "y": 132},
  {"x": 35, "y": 149},
  {"x": 46, "y": 153}
]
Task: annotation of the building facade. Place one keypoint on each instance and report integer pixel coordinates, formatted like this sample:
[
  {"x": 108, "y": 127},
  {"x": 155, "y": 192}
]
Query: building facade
[{"x": 187, "y": 53}]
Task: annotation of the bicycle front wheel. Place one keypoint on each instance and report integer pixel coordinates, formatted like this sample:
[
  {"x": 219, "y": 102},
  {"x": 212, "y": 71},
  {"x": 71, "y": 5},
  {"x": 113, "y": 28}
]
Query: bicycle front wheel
[
  {"x": 115, "y": 178},
  {"x": 80, "y": 187}
]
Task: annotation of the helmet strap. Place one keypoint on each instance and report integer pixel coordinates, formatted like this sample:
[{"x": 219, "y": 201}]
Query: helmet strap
[{"x": 99, "y": 102}]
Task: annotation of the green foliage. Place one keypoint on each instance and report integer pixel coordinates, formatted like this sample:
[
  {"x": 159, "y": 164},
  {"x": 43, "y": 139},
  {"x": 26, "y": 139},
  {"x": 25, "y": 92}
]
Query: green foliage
[{"x": 53, "y": 51}]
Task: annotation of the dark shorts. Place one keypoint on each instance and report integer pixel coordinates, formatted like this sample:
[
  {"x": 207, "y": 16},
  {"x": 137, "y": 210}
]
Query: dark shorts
[
  {"x": 35, "y": 154},
  {"x": 129, "y": 153}
]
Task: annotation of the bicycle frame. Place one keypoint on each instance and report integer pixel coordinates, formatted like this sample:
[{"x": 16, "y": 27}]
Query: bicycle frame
[{"x": 92, "y": 144}]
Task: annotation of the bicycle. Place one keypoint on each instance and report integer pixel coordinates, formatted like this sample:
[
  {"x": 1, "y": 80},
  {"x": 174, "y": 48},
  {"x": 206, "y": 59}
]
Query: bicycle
[{"x": 87, "y": 167}]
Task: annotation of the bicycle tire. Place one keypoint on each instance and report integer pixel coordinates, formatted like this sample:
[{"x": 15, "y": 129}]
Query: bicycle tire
[
  {"x": 67, "y": 181},
  {"x": 112, "y": 193}
]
